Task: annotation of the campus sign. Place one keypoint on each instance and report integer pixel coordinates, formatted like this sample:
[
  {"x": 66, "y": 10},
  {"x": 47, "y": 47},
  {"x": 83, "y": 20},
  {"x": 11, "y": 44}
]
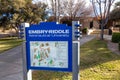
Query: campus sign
[{"x": 49, "y": 47}]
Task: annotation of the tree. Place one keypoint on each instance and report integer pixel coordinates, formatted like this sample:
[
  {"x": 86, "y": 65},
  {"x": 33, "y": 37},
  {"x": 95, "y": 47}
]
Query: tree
[
  {"x": 15, "y": 12},
  {"x": 54, "y": 7},
  {"x": 7, "y": 10},
  {"x": 102, "y": 12},
  {"x": 70, "y": 8},
  {"x": 31, "y": 13},
  {"x": 115, "y": 15},
  {"x": 75, "y": 9}
]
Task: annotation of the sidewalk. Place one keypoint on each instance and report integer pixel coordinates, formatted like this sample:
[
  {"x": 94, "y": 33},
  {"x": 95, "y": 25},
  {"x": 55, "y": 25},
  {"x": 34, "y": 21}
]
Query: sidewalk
[
  {"x": 108, "y": 37},
  {"x": 11, "y": 64},
  {"x": 86, "y": 38},
  {"x": 112, "y": 46}
]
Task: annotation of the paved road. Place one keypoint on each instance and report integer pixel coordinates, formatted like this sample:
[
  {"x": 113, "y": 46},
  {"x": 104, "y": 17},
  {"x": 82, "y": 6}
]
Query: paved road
[{"x": 11, "y": 62}]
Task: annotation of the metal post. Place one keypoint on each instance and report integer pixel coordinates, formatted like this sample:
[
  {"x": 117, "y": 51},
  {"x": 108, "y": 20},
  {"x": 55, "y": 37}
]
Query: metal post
[
  {"x": 24, "y": 61},
  {"x": 76, "y": 60},
  {"x": 27, "y": 74}
]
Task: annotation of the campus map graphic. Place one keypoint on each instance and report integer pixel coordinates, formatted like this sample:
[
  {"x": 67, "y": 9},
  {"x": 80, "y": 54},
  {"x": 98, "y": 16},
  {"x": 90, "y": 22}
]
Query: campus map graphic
[{"x": 49, "y": 54}]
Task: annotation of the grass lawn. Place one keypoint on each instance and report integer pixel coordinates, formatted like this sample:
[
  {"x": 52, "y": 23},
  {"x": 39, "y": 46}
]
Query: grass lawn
[
  {"x": 8, "y": 43},
  {"x": 97, "y": 63}
]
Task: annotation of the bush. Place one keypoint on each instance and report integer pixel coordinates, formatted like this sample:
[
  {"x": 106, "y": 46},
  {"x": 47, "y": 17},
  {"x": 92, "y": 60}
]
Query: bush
[
  {"x": 119, "y": 45},
  {"x": 116, "y": 37},
  {"x": 84, "y": 30},
  {"x": 66, "y": 20}
]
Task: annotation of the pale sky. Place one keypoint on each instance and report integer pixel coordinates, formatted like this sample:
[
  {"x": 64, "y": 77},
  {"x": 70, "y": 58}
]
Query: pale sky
[
  {"x": 47, "y": 1},
  {"x": 88, "y": 2}
]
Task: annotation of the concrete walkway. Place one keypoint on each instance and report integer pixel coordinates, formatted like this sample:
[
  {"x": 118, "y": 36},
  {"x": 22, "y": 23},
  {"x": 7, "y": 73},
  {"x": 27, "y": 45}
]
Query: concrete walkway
[
  {"x": 86, "y": 38},
  {"x": 112, "y": 46},
  {"x": 11, "y": 64},
  {"x": 108, "y": 37}
]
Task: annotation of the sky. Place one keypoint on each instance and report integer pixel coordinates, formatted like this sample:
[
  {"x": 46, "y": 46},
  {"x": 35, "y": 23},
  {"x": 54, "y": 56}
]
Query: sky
[
  {"x": 47, "y": 1},
  {"x": 87, "y": 1}
]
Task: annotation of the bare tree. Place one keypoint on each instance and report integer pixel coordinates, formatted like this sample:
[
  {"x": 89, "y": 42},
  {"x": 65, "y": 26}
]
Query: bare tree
[
  {"x": 76, "y": 8},
  {"x": 70, "y": 8},
  {"x": 102, "y": 12},
  {"x": 54, "y": 8}
]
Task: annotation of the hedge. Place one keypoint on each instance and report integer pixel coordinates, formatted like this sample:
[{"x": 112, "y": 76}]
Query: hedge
[
  {"x": 84, "y": 30},
  {"x": 116, "y": 37}
]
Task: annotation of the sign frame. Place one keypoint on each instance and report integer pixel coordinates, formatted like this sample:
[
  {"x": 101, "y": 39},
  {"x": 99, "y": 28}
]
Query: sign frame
[{"x": 49, "y": 26}]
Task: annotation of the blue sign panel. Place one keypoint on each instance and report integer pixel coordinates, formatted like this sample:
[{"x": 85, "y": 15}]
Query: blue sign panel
[{"x": 49, "y": 47}]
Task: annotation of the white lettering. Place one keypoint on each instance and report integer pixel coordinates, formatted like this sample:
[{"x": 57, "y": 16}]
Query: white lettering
[{"x": 48, "y": 31}]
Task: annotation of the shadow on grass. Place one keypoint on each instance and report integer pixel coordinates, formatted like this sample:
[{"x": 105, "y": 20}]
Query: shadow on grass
[{"x": 95, "y": 53}]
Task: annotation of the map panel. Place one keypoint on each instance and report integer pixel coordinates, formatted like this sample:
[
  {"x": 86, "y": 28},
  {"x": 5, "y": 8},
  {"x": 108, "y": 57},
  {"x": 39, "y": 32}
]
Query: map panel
[{"x": 49, "y": 54}]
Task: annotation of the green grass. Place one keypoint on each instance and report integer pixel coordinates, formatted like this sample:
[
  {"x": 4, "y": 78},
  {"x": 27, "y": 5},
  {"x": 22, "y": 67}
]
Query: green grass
[
  {"x": 8, "y": 43},
  {"x": 96, "y": 63}
]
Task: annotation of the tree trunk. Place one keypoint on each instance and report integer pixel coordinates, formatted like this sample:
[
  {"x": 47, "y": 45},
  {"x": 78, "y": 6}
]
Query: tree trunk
[
  {"x": 102, "y": 32},
  {"x": 55, "y": 11}
]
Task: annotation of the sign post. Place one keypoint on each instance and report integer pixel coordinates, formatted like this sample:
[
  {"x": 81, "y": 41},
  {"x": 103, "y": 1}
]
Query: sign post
[
  {"x": 50, "y": 46},
  {"x": 23, "y": 36},
  {"x": 76, "y": 60},
  {"x": 76, "y": 50}
]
